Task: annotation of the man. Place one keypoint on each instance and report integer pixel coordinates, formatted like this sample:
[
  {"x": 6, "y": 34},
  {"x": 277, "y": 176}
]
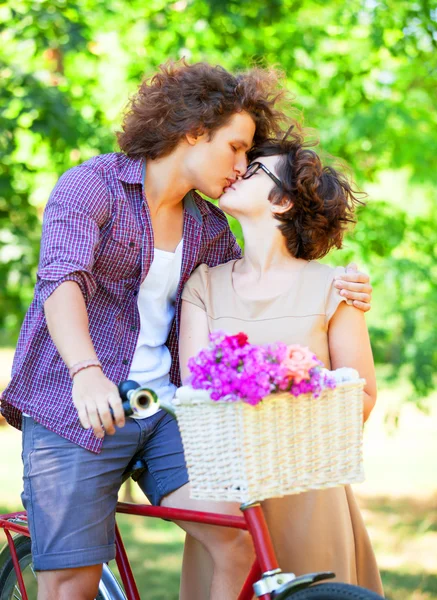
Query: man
[{"x": 121, "y": 235}]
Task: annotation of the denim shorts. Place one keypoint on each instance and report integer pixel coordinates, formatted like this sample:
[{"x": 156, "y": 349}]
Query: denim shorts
[{"x": 70, "y": 493}]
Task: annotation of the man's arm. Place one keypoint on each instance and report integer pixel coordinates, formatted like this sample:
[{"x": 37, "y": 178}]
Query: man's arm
[
  {"x": 93, "y": 393},
  {"x": 355, "y": 286},
  {"x": 78, "y": 208}
]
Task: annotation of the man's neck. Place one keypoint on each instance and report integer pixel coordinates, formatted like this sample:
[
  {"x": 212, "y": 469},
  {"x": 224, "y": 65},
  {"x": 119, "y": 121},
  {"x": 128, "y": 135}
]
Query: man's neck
[{"x": 165, "y": 182}]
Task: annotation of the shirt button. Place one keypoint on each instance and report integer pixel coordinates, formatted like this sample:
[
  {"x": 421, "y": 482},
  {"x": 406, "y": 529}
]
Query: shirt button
[
  {"x": 125, "y": 361},
  {"x": 131, "y": 244},
  {"x": 133, "y": 328},
  {"x": 135, "y": 292}
]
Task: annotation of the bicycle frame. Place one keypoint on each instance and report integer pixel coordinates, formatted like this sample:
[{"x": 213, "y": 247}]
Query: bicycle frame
[{"x": 252, "y": 520}]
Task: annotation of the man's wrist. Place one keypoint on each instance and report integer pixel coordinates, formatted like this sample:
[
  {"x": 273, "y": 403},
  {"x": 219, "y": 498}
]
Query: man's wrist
[{"x": 82, "y": 365}]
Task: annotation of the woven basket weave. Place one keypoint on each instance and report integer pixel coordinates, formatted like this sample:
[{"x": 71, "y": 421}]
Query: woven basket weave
[{"x": 284, "y": 445}]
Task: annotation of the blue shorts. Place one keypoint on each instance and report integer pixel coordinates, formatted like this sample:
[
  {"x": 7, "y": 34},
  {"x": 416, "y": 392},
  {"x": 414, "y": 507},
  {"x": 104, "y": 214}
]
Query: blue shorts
[{"x": 70, "y": 493}]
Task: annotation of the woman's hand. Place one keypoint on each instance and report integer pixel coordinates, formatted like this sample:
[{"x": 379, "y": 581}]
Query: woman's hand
[{"x": 355, "y": 286}]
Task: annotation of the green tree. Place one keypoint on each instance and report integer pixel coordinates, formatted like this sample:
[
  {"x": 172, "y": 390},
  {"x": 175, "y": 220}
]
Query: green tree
[{"x": 363, "y": 73}]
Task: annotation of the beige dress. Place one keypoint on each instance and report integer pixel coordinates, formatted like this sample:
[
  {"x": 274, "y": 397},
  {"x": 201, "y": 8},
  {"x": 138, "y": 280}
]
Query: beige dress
[{"x": 320, "y": 530}]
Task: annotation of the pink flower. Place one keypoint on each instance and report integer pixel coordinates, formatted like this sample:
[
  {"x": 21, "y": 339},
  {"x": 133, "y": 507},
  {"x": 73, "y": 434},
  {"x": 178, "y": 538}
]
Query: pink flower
[
  {"x": 232, "y": 369},
  {"x": 297, "y": 362}
]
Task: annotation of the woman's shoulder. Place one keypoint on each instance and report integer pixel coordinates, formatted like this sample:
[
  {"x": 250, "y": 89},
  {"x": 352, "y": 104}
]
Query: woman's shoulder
[
  {"x": 213, "y": 274},
  {"x": 205, "y": 271},
  {"x": 322, "y": 273},
  {"x": 324, "y": 269},
  {"x": 319, "y": 282},
  {"x": 198, "y": 276},
  {"x": 194, "y": 290},
  {"x": 325, "y": 275},
  {"x": 206, "y": 285},
  {"x": 223, "y": 268},
  {"x": 203, "y": 276}
]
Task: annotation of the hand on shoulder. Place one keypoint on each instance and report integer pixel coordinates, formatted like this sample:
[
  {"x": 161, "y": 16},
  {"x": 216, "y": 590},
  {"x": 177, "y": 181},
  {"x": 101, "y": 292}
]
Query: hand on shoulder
[{"x": 355, "y": 286}]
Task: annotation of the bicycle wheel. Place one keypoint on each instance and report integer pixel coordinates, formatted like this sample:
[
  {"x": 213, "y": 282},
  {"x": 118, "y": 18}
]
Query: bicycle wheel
[
  {"x": 330, "y": 591},
  {"x": 109, "y": 588}
]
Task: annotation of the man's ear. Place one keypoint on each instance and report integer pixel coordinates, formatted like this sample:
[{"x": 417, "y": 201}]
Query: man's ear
[
  {"x": 282, "y": 207},
  {"x": 194, "y": 136},
  {"x": 191, "y": 138}
]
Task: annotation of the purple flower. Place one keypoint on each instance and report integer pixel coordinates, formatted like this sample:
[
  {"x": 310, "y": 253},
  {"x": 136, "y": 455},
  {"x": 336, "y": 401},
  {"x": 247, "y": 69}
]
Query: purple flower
[{"x": 231, "y": 369}]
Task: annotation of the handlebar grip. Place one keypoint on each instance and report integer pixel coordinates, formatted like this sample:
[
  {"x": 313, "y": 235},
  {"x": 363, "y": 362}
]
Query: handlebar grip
[
  {"x": 141, "y": 401},
  {"x": 136, "y": 400}
]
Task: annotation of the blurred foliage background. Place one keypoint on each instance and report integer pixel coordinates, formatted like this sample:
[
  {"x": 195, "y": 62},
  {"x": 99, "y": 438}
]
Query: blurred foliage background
[
  {"x": 363, "y": 73},
  {"x": 364, "y": 76}
]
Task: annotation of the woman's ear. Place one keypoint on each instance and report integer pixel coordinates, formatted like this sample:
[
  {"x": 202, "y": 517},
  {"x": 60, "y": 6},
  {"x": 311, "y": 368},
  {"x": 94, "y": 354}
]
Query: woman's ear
[{"x": 282, "y": 207}]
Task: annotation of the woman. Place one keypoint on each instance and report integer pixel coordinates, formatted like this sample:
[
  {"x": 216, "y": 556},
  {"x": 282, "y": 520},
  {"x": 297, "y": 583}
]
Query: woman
[{"x": 292, "y": 211}]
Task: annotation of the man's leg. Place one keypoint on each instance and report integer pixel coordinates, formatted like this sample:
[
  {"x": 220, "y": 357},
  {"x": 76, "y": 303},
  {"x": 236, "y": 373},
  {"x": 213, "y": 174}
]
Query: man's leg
[
  {"x": 70, "y": 495},
  {"x": 81, "y": 583}
]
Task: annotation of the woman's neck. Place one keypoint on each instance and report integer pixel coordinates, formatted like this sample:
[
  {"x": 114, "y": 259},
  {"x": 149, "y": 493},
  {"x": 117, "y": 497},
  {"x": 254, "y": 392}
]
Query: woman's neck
[{"x": 265, "y": 249}]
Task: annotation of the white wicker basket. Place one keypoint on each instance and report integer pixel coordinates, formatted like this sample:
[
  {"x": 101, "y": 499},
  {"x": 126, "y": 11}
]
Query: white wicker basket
[{"x": 284, "y": 445}]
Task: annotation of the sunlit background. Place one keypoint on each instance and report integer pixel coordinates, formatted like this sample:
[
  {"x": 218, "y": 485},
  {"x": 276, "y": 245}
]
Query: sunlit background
[{"x": 363, "y": 75}]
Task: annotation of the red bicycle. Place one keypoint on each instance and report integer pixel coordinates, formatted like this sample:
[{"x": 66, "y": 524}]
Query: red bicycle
[{"x": 265, "y": 579}]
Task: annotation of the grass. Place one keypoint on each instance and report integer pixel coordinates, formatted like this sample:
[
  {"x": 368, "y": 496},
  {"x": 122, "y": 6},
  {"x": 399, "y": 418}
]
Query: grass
[
  {"x": 398, "y": 501},
  {"x": 404, "y": 535}
]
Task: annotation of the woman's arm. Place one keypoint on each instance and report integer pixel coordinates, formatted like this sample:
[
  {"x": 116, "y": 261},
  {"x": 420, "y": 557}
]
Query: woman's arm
[
  {"x": 197, "y": 568},
  {"x": 194, "y": 334},
  {"x": 349, "y": 346}
]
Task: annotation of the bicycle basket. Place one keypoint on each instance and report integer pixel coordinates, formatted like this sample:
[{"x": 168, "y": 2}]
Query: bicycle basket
[{"x": 283, "y": 445}]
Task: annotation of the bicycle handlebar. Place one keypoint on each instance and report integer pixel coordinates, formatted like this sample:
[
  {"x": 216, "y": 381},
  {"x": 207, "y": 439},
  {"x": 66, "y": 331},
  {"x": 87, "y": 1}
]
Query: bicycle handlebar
[{"x": 141, "y": 401}]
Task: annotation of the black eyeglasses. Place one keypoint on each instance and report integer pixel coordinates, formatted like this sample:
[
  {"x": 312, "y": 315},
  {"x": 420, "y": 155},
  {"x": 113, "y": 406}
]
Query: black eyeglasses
[{"x": 256, "y": 166}]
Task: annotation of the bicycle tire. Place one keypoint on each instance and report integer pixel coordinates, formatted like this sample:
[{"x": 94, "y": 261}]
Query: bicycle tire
[
  {"x": 109, "y": 588},
  {"x": 331, "y": 591}
]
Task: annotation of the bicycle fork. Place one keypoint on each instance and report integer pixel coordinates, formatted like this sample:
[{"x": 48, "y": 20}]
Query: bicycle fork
[{"x": 273, "y": 584}]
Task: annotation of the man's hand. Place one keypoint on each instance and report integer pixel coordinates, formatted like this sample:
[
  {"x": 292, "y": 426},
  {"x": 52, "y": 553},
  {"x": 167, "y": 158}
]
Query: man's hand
[
  {"x": 355, "y": 286},
  {"x": 93, "y": 396}
]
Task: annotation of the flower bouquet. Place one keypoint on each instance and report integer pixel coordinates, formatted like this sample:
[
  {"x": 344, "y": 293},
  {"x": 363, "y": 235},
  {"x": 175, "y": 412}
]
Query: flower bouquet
[{"x": 262, "y": 421}]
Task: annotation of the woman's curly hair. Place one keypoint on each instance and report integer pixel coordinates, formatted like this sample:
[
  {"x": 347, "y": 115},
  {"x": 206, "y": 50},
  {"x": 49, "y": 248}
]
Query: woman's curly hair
[
  {"x": 195, "y": 99},
  {"x": 322, "y": 199}
]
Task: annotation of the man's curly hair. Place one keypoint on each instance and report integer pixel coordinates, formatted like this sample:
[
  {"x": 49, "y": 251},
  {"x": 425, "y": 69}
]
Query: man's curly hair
[{"x": 195, "y": 99}]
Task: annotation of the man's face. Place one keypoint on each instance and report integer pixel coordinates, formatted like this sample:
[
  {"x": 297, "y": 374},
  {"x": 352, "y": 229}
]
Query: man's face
[{"x": 214, "y": 163}]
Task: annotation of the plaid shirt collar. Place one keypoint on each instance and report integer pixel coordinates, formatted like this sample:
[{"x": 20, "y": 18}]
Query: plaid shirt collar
[{"x": 133, "y": 171}]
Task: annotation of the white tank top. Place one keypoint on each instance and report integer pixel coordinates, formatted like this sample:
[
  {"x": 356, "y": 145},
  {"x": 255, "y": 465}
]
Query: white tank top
[{"x": 156, "y": 304}]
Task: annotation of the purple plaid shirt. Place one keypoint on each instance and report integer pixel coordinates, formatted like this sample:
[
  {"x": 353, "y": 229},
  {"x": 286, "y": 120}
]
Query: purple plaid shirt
[{"x": 97, "y": 232}]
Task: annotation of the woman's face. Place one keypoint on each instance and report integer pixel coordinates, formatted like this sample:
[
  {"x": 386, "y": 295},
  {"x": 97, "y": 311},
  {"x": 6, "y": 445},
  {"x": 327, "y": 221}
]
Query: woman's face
[{"x": 250, "y": 197}]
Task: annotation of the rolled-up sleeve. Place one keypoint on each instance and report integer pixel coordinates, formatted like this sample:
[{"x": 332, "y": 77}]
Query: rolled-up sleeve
[{"x": 77, "y": 209}]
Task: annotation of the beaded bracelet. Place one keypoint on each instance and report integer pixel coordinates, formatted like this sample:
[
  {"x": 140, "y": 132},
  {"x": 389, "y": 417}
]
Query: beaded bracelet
[{"x": 83, "y": 364}]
